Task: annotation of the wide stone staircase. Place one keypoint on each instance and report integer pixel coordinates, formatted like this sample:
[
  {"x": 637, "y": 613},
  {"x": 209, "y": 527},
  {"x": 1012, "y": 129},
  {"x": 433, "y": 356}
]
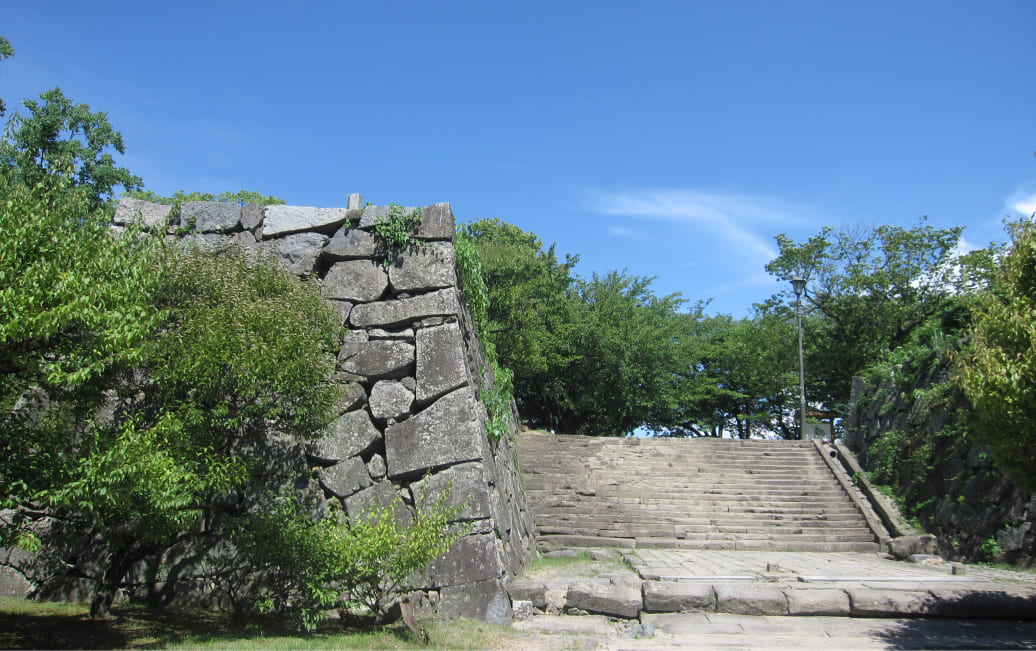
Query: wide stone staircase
[{"x": 703, "y": 493}]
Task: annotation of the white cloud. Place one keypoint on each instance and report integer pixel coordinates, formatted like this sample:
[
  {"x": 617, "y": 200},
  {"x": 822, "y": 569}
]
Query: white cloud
[
  {"x": 732, "y": 217},
  {"x": 619, "y": 231},
  {"x": 1024, "y": 205}
]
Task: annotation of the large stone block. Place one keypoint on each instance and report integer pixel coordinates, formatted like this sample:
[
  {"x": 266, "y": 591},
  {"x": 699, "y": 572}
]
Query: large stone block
[
  {"x": 605, "y": 599},
  {"x": 393, "y": 313},
  {"x": 441, "y": 365},
  {"x": 301, "y": 250},
  {"x": 437, "y": 223},
  {"x": 381, "y": 495},
  {"x": 211, "y": 216},
  {"x": 350, "y": 435},
  {"x": 467, "y": 485},
  {"x": 374, "y": 215},
  {"x": 424, "y": 268},
  {"x": 378, "y": 359},
  {"x": 470, "y": 559},
  {"x": 283, "y": 220},
  {"x": 672, "y": 597},
  {"x": 390, "y": 400},
  {"x": 360, "y": 281},
  {"x": 151, "y": 214},
  {"x": 252, "y": 216},
  {"x": 345, "y": 477},
  {"x": 484, "y": 600},
  {"x": 350, "y": 244},
  {"x": 445, "y": 433}
]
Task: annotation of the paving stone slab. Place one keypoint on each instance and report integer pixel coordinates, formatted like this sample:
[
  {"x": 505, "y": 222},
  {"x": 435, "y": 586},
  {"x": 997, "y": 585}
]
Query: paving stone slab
[
  {"x": 868, "y": 602},
  {"x": 605, "y": 599},
  {"x": 822, "y": 602},
  {"x": 751, "y": 599},
  {"x": 669, "y": 597}
]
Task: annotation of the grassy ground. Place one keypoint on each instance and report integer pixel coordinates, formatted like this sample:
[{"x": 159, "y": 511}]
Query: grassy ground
[{"x": 32, "y": 625}]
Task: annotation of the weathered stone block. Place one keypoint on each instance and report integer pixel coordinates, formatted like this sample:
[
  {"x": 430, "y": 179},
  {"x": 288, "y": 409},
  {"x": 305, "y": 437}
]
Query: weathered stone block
[
  {"x": 374, "y": 215},
  {"x": 350, "y": 244},
  {"x": 379, "y": 496},
  {"x": 211, "y": 216},
  {"x": 390, "y": 399},
  {"x": 390, "y": 313},
  {"x": 301, "y": 250},
  {"x": 466, "y": 482},
  {"x": 470, "y": 559},
  {"x": 670, "y": 597},
  {"x": 361, "y": 281},
  {"x": 831, "y": 603},
  {"x": 354, "y": 201},
  {"x": 441, "y": 366},
  {"x": 605, "y": 599},
  {"x": 752, "y": 599},
  {"x": 350, "y": 435},
  {"x": 906, "y": 546},
  {"x": 345, "y": 477},
  {"x": 382, "y": 358},
  {"x": 484, "y": 600},
  {"x": 867, "y": 602},
  {"x": 376, "y": 467},
  {"x": 252, "y": 216},
  {"x": 424, "y": 268},
  {"x": 283, "y": 220},
  {"x": 151, "y": 214},
  {"x": 529, "y": 590},
  {"x": 437, "y": 223},
  {"x": 444, "y": 434}
]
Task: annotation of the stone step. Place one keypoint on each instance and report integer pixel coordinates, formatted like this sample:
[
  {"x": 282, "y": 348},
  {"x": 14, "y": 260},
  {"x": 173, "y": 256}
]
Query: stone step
[{"x": 708, "y": 493}]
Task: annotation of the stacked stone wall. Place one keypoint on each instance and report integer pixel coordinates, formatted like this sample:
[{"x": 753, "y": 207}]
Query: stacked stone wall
[{"x": 411, "y": 423}]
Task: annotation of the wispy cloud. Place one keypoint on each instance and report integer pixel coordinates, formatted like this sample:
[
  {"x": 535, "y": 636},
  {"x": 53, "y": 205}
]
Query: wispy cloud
[
  {"x": 1022, "y": 203},
  {"x": 733, "y": 217}
]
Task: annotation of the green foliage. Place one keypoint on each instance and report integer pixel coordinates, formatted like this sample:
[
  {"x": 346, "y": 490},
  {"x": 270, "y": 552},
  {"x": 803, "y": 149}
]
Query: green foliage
[
  {"x": 6, "y": 51},
  {"x": 868, "y": 290},
  {"x": 499, "y": 396},
  {"x": 241, "y": 197},
  {"x": 309, "y": 567},
  {"x": 996, "y": 370},
  {"x": 744, "y": 376},
  {"x": 398, "y": 228},
  {"x": 59, "y": 137}
]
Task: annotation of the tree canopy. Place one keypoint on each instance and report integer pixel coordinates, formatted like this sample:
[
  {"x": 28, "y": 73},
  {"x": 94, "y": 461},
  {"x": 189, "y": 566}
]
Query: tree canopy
[{"x": 996, "y": 370}]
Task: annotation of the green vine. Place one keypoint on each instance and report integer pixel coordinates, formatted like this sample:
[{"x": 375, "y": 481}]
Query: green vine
[{"x": 397, "y": 229}]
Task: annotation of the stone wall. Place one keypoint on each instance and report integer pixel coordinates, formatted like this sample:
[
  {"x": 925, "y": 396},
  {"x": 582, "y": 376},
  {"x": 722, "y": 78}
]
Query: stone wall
[
  {"x": 411, "y": 422},
  {"x": 951, "y": 483}
]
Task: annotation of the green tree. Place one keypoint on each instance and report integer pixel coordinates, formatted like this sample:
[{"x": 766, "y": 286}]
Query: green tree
[
  {"x": 6, "y": 51},
  {"x": 627, "y": 350},
  {"x": 528, "y": 309},
  {"x": 996, "y": 370},
  {"x": 870, "y": 289},
  {"x": 58, "y": 136}
]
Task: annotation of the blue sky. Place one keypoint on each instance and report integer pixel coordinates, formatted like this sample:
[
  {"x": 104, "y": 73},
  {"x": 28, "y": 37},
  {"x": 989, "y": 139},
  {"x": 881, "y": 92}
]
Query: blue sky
[{"x": 670, "y": 139}]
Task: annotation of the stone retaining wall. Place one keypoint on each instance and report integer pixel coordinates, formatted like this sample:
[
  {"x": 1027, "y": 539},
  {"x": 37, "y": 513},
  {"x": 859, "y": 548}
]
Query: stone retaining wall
[{"x": 411, "y": 421}]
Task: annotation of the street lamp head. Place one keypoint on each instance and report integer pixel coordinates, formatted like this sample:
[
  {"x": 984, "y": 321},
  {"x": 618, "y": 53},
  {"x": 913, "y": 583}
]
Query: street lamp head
[{"x": 799, "y": 284}]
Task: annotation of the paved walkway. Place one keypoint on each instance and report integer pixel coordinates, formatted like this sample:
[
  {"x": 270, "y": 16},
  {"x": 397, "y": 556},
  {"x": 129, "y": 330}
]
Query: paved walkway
[
  {"x": 719, "y": 599},
  {"x": 724, "y": 631}
]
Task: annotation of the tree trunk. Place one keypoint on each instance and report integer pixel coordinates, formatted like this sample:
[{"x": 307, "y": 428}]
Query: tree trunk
[{"x": 108, "y": 586}]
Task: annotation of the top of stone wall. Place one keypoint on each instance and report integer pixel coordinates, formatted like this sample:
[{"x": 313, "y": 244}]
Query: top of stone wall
[{"x": 278, "y": 221}]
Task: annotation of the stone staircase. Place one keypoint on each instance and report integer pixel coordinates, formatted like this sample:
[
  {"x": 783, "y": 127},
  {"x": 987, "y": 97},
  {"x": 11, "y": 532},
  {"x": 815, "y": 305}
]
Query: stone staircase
[{"x": 704, "y": 493}]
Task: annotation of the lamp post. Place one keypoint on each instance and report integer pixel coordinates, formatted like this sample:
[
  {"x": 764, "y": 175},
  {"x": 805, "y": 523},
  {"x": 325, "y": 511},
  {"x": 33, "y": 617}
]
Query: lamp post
[{"x": 799, "y": 285}]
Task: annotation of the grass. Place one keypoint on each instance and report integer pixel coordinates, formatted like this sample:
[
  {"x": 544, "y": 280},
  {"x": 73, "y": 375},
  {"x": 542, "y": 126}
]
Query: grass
[{"x": 33, "y": 625}]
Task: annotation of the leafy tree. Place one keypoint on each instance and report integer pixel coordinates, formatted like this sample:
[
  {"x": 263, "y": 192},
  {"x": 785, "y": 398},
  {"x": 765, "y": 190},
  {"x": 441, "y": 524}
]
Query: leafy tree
[
  {"x": 306, "y": 567},
  {"x": 527, "y": 309},
  {"x": 75, "y": 310},
  {"x": 59, "y": 137},
  {"x": 6, "y": 51},
  {"x": 869, "y": 289},
  {"x": 996, "y": 370},
  {"x": 744, "y": 377},
  {"x": 627, "y": 350}
]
